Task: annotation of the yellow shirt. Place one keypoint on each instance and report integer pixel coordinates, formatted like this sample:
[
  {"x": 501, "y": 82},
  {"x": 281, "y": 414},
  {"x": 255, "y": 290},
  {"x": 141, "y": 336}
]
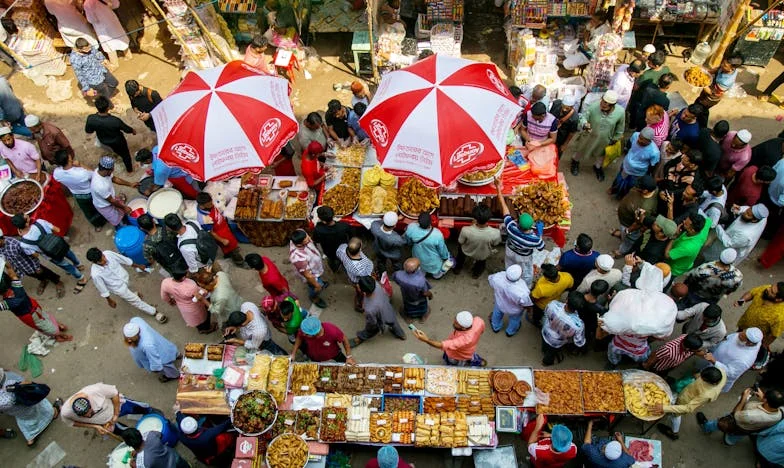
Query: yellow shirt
[
  {"x": 546, "y": 291},
  {"x": 766, "y": 315},
  {"x": 696, "y": 394}
]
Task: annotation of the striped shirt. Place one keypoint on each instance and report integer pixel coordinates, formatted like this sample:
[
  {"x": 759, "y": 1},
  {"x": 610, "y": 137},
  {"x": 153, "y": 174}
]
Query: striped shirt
[
  {"x": 22, "y": 263},
  {"x": 521, "y": 242},
  {"x": 633, "y": 346},
  {"x": 355, "y": 267},
  {"x": 671, "y": 354},
  {"x": 562, "y": 327}
]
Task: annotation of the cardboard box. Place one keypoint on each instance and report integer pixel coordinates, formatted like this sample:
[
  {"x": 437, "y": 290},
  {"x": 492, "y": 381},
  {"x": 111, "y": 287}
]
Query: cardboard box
[{"x": 247, "y": 447}]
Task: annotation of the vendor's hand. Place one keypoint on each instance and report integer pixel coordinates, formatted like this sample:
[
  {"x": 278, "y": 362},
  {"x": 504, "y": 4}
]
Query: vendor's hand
[
  {"x": 760, "y": 394},
  {"x": 108, "y": 427},
  {"x": 225, "y": 242},
  {"x": 229, "y": 330},
  {"x": 619, "y": 437},
  {"x": 135, "y": 184},
  {"x": 540, "y": 421},
  {"x": 90, "y": 93},
  {"x": 351, "y": 361},
  {"x": 420, "y": 334},
  {"x": 629, "y": 259},
  {"x": 111, "y": 302},
  {"x": 673, "y": 112},
  {"x": 658, "y": 408},
  {"x": 127, "y": 209},
  {"x": 747, "y": 393}
]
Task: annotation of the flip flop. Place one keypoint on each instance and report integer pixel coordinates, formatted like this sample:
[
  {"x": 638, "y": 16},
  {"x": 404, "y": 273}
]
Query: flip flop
[
  {"x": 60, "y": 290},
  {"x": 62, "y": 327},
  {"x": 161, "y": 318},
  {"x": 80, "y": 267},
  {"x": 354, "y": 342},
  {"x": 79, "y": 287},
  {"x": 42, "y": 287},
  {"x": 667, "y": 431},
  {"x": 615, "y": 233},
  {"x": 63, "y": 338},
  {"x": 9, "y": 433}
]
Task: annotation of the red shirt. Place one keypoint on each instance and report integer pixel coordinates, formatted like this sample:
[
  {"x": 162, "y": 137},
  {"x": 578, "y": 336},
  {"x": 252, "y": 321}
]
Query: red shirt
[
  {"x": 285, "y": 168},
  {"x": 324, "y": 347},
  {"x": 745, "y": 192},
  {"x": 311, "y": 170},
  {"x": 543, "y": 456},
  {"x": 272, "y": 280}
]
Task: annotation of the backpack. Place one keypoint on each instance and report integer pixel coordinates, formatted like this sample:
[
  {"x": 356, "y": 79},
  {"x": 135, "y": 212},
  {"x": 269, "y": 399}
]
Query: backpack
[
  {"x": 53, "y": 246},
  {"x": 168, "y": 255},
  {"x": 205, "y": 244}
]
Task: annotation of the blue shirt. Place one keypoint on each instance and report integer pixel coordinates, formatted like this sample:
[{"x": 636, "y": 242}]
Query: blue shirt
[
  {"x": 776, "y": 188},
  {"x": 687, "y": 133},
  {"x": 521, "y": 242},
  {"x": 431, "y": 252},
  {"x": 10, "y": 106},
  {"x": 577, "y": 265},
  {"x": 353, "y": 122},
  {"x": 594, "y": 457},
  {"x": 161, "y": 172},
  {"x": 89, "y": 69},
  {"x": 153, "y": 350},
  {"x": 725, "y": 81},
  {"x": 640, "y": 158}
]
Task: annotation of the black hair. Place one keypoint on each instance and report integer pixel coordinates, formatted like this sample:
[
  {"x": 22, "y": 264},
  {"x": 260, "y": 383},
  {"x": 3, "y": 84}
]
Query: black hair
[
  {"x": 721, "y": 128},
  {"x": 18, "y": 220},
  {"x": 677, "y": 143},
  {"x": 697, "y": 221},
  {"x": 236, "y": 319},
  {"x": 735, "y": 59},
  {"x": 425, "y": 54},
  {"x": 366, "y": 284},
  {"x": 94, "y": 254},
  {"x": 424, "y": 220},
  {"x": 695, "y": 156},
  {"x": 286, "y": 307},
  {"x": 692, "y": 342},
  {"x": 657, "y": 58},
  {"x": 298, "y": 236},
  {"x": 713, "y": 311},
  {"x": 172, "y": 221},
  {"x": 780, "y": 290},
  {"x": 314, "y": 118},
  {"x": 132, "y": 438},
  {"x": 102, "y": 104},
  {"x": 481, "y": 213},
  {"x": 131, "y": 86},
  {"x": 774, "y": 398},
  {"x": 202, "y": 198},
  {"x": 254, "y": 261},
  {"x": 635, "y": 66},
  {"x": 178, "y": 274},
  {"x": 698, "y": 186},
  {"x": 646, "y": 182},
  {"x": 549, "y": 271},
  {"x": 599, "y": 287},
  {"x": 714, "y": 184},
  {"x": 360, "y": 108},
  {"x": 711, "y": 375},
  {"x": 516, "y": 92},
  {"x": 333, "y": 106},
  {"x": 145, "y": 222},
  {"x": 143, "y": 155},
  {"x": 649, "y": 221},
  {"x": 696, "y": 109},
  {"x": 61, "y": 157},
  {"x": 575, "y": 300},
  {"x": 325, "y": 213},
  {"x": 765, "y": 174},
  {"x": 584, "y": 243},
  {"x": 259, "y": 41},
  {"x": 666, "y": 80},
  {"x": 539, "y": 108},
  {"x": 81, "y": 42}
]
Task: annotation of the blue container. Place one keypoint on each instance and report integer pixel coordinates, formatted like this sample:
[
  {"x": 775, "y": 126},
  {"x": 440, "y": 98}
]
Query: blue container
[
  {"x": 156, "y": 422},
  {"x": 129, "y": 241}
]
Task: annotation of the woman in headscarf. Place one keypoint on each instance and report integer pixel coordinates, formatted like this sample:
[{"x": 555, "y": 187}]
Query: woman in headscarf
[
  {"x": 656, "y": 118},
  {"x": 32, "y": 420},
  {"x": 223, "y": 299},
  {"x": 27, "y": 309},
  {"x": 736, "y": 354}
]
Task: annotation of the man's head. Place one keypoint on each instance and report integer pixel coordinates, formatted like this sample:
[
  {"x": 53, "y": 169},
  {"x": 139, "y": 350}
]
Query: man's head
[
  {"x": 525, "y": 221},
  {"x": 463, "y": 321},
  {"x": 20, "y": 221},
  {"x": 692, "y": 342},
  {"x": 646, "y": 137},
  {"x": 774, "y": 398},
  {"x": 481, "y": 214},
  {"x": 424, "y": 220},
  {"x": 657, "y": 59},
  {"x": 755, "y": 214},
  {"x": 720, "y": 129},
  {"x": 357, "y": 88},
  {"x": 667, "y": 226},
  {"x": 646, "y": 184},
  {"x": 366, "y": 284},
  {"x": 550, "y": 272},
  {"x": 514, "y": 273},
  {"x": 300, "y": 238},
  {"x": 189, "y": 425},
  {"x": 674, "y": 147},
  {"x": 665, "y": 81},
  {"x": 609, "y": 98},
  {"x": 774, "y": 293},
  {"x": 82, "y": 408},
  {"x": 360, "y": 108},
  {"x": 106, "y": 166},
  {"x": 764, "y": 175},
  {"x": 325, "y": 214},
  {"x": 613, "y": 450},
  {"x": 387, "y": 457},
  {"x": 102, "y": 104},
  {"x": 143, "y": 156},
  {"x": 131, "y": 333},
  {"x": 567, "y": 104},
  {"x": 560, "y": 438},
  {"x": 635, "y": 68},
  {"x": 741, "y": 139},
  {"x": 411, "y": 265},
  {"x": 145, "y": 222},
  {"x": 692, "y": 192},
  {"x": 731, "y": 62},
  {"x": 132, "y": 88},
  {"x": 728, "y": 256},
  {"x": 354, "y": 246},
  {"x": 33, "y": 123},
  {"x": 62, "y": 158},
  {"x": 95, "y": 255},
  {"x": 204, "y": 201},
  {"x": 7, "y": 137},
  {"x": 711, "y": 315},
  {"x": 259, "y": 43},
  {"x": 254, "y": 261},
  {"x": 711, "y": 375},
  {"x": 538, "y": 93},
  {"x": 604, "y": 263},
  {"x": 575, "y": 301},
  {"x": 538, "y": 111},
  {"x": 692, "y": 113},
  {"x": 336, "y": 109},
  {"x": 515, "y": 91},
  {"x": 583, "y": 244},
  {"x": 236, "y": 319},
  {"x": 82, "y": 46},
  {"x": 679, "y": 291},
  {"x": 133, "y": 438},
  {"x": 750, "y": 337},
  {"x": 692, "y": 159},
  {"x": 694, "y": 223},
  {"x": 715, "y": 185},
  {"x": 286, "y": 307},
  {"x": 173, "y": 222},
  {"x": 599, "y": 287},
  {"x": 313, "y": 121},
  {"x": 654, "y": 114}
]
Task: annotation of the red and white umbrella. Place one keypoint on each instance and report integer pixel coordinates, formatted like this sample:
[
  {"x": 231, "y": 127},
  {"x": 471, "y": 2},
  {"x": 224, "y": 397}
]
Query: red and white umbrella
[
  {"x": 440, "y": 118},
  {"x": 224, "y": 121}
]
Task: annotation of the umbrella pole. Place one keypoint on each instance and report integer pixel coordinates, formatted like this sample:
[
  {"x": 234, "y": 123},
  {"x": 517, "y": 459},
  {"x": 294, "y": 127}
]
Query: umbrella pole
[
  {"x": 370, "y": 7},
  {"x": 208, "y": 34},
  {"x": 173, "y": 30}
]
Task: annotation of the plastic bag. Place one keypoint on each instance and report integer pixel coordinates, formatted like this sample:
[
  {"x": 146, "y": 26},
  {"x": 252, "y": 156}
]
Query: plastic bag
[
  {"x": 643, "y": 313},
  {"x": 30, "y": 362},
  {"x": 682, "y": 383},
  {"x": 611, "y": 153},
  {"x": 544, "y": 162}
]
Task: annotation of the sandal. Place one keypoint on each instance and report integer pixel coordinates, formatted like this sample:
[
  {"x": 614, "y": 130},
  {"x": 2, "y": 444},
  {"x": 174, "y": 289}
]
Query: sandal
[
  {"x": 615, "y": 233},
  {"x": 354, "y": 342},
  {"x": 79, "y": 287},
  {"x": 62, "y": 338},
  {"x": 42, "y": 287},
  {"x": 666, "y": 430},
  {"x": 62, "y": 327},
  {"x": 80, "y": 267},
  {"x": 161, "y": 318},
  {"x": 60, "y": 290},
  {"x": 9, "y": 433},
  {"x": 210, "y": 330}
]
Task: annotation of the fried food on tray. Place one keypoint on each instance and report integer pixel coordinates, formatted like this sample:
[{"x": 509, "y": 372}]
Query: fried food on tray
[
  {"x": 195, "y": 348},
  {"x": 544, "y": 201},
  {"x": 414, "y": 198},
  {"x": 564, "y": 390},
  {"x": 287, "y": 451},
  {"x": 484, "y": 174},
  {"x": 377, "y": 200},
  {"x": 696, "y": 76},
  {"x": 603, "y": 392},
  {"x": 254, "y": 412},
  {"x": 353, "y": 156},
  {"x": 473, "y": 382},
  {"x": 441, "y": 380},
  {"x": 341, "y": 198},
  {"x": 303, "y": 378},
  {"x": 639, "y": 399}
]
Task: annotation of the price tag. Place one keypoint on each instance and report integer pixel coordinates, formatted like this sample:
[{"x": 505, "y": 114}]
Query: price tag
[
  {"x": 373, "y": 410},
  {"x": 372, "y": 377},
  {"x": 273, "y": 382},
  {"x": 411, "y": 381},
  {"x": 398, "y": 375},
  {"x": 438, "y": 405},
  {"x": 381, "y": 422},
  {"x": 430, "y": 422},
  {"x": 389, "y": 374},
  {"x": 337, "y": 404},
  {"x": 289, "y": 422},
  {"x": 396, "y": 385},
  {"x": 304, "y": 388},
  {"x": 476, "y": 403},
  {"x": 325, "y": 379},
  {"x": 332, "y": 416},
  {"x": 472, "y": 381},
  {"x": 403, "y": 420},
  {"x": 352, "y": 376},
  {"x": 395, "y": 437}
]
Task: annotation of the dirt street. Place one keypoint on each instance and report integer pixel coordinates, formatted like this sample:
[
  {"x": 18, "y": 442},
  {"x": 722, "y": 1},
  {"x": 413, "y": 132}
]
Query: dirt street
[{"x": 98, "y": 353}]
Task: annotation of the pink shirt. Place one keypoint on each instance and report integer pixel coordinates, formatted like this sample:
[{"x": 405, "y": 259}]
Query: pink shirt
[
  {"x": 461, "y": 345},
  {"x": 260, "y": 62},
  {"x": 23, "y": 155},
  {"x": 731, "y": 158},
  {"x": 194, "y": 313},
  {"x": 307, "y": 258}
]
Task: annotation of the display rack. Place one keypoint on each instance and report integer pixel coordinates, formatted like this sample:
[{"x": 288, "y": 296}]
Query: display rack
[
  {"x": 185, "y": 29},
  {"x": 762, "y": 39},
  {"x": 443, "y": 11}
]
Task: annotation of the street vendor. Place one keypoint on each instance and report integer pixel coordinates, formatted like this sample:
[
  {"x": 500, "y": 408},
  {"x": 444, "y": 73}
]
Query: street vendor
[
  {"x": 210, "y": 445},
  {"x": 162, "y": 172},
  {"x": 460, "y": 346},
  {"x": 320, "y": 341},
  {"x": 522, "y": 238},
  {"x": 21, "y": 156},
  {"x": 705, "y": 388},
  {"x": 207, "y": 212},
  {"x": 723, "y": 81},
  {"x": 105, "y": 199},
  {"x": 99, "y": 406},
  {"x": 554, "y": 451},
  {"x": 247, "y": 327},
  {"x": 312, "y": 167},
  {"x": 538, "y": 127}
]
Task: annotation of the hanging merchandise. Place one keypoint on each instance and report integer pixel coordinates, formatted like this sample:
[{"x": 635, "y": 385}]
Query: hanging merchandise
[
  {"x": 443, "y": 11},
  {"x": 602, "y": 66},
  {"x": 446, "y": 39},
  {"x": 183, "y": 26},
  {"x": 34, "y": 39}
]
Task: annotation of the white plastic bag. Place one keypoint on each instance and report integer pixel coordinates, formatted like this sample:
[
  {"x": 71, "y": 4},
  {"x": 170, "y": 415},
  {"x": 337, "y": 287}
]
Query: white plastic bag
[{"x": 638, "y": 312}]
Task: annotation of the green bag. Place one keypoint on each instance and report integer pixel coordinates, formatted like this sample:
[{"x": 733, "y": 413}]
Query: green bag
[
  {"x": 678, "y": 386},
  {"x": 31, "y": 362},
  {"x": 296, "y": 318}
]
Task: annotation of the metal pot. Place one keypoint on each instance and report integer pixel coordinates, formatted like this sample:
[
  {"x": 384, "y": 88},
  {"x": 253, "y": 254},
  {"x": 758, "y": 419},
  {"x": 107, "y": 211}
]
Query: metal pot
[{"x": 19, "y": 181}]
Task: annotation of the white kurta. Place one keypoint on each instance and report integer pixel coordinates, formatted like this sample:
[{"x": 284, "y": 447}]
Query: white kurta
[
  {"x": 736, "y": 358},
  {"x": 70, "y": 22},
  {"x": 740, "y": 235},
  {"x": 110, "y": 32}
]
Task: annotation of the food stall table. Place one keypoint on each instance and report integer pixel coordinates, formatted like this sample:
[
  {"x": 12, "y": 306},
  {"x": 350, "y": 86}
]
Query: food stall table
[
  {"x": 196, "y": 399},
  {"x": 53, "y": 208}
]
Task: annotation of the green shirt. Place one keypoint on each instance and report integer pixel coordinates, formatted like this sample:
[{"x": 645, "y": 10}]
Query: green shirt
[
  {"x": 652, "y": 75},
  {"x": 685, "y": 249}
]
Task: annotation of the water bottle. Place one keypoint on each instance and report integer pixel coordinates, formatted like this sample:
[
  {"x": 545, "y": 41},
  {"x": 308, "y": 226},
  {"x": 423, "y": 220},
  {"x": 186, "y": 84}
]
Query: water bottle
[{"x": 701, "y": 53}]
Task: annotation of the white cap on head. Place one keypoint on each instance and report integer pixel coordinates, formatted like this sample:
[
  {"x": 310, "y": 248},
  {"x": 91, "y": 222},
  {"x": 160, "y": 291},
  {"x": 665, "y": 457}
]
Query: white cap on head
[
  {"x": 31, "y": 120},
  {"x": 754, "y": 335},
  {"x": 744, "y": 135},
  {"x": 569, "y": 101},
  {"x": 130, "y": 330},
  {"x": 464, "y": 319},
  {"x": 514, "y": 272},
  {"x": 604, "y": 262},
  {"x": 5, "y": 130},
  {"x": 649, "y": 48},
  {"x": 390, "y": 219},
  {"x": 610, "y": 97},
  {"x": 188, "y": 425},
  {"x": 613, "y": 450},
  {"x": 728, "y": 256}
]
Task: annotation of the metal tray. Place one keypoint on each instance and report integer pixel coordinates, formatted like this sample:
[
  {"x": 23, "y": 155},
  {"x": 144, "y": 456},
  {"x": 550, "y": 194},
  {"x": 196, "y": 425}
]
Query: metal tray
[
  {"x": 576, "y": 397},
  {"x": 309, "y": 203},
  {"x": 588, "y": 410},
  {"x": 273, "y": 195}
]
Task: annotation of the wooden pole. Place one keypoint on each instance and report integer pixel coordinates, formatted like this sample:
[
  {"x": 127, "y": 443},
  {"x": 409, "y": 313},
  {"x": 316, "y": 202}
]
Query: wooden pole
[
  {"x": 177, "y": 35},
  {"x": 370, "y": 8},
  {"x": 207, "y": 33},
  {"x": 729, "y": 34},
  {"x": 19, "y": 59}
]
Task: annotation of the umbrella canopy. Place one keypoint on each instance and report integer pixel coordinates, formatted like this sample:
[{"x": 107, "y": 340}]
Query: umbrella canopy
[
  {"x": 224, "y": 121},
  {"x": 440, "y": 118}
]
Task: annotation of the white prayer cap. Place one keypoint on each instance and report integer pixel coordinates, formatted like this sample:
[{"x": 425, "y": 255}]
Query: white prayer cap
[
  {"x": 610, "y": 97},
  {"x": 569, "y": 101},
  {"x": 649, "y": 48},
  {"x": 390, "y": 219},
  {"x": 188, "y": 425},
  {"x": 744, "y": 135},
  {"x": 754, "y": 335},
  {"x": 760, "y": 211},
  {"x": 613, "y": 450},
  {"x": 514, "y": 272},
  {"x": 130, "y": 330},
  {"x": 5, "y": 130},
  {"x": 728, "y": 256},
  {"x": 31, "y": 120},
  {"x": 465, "y": 319},
  {"x": 604, "y": 262}
]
